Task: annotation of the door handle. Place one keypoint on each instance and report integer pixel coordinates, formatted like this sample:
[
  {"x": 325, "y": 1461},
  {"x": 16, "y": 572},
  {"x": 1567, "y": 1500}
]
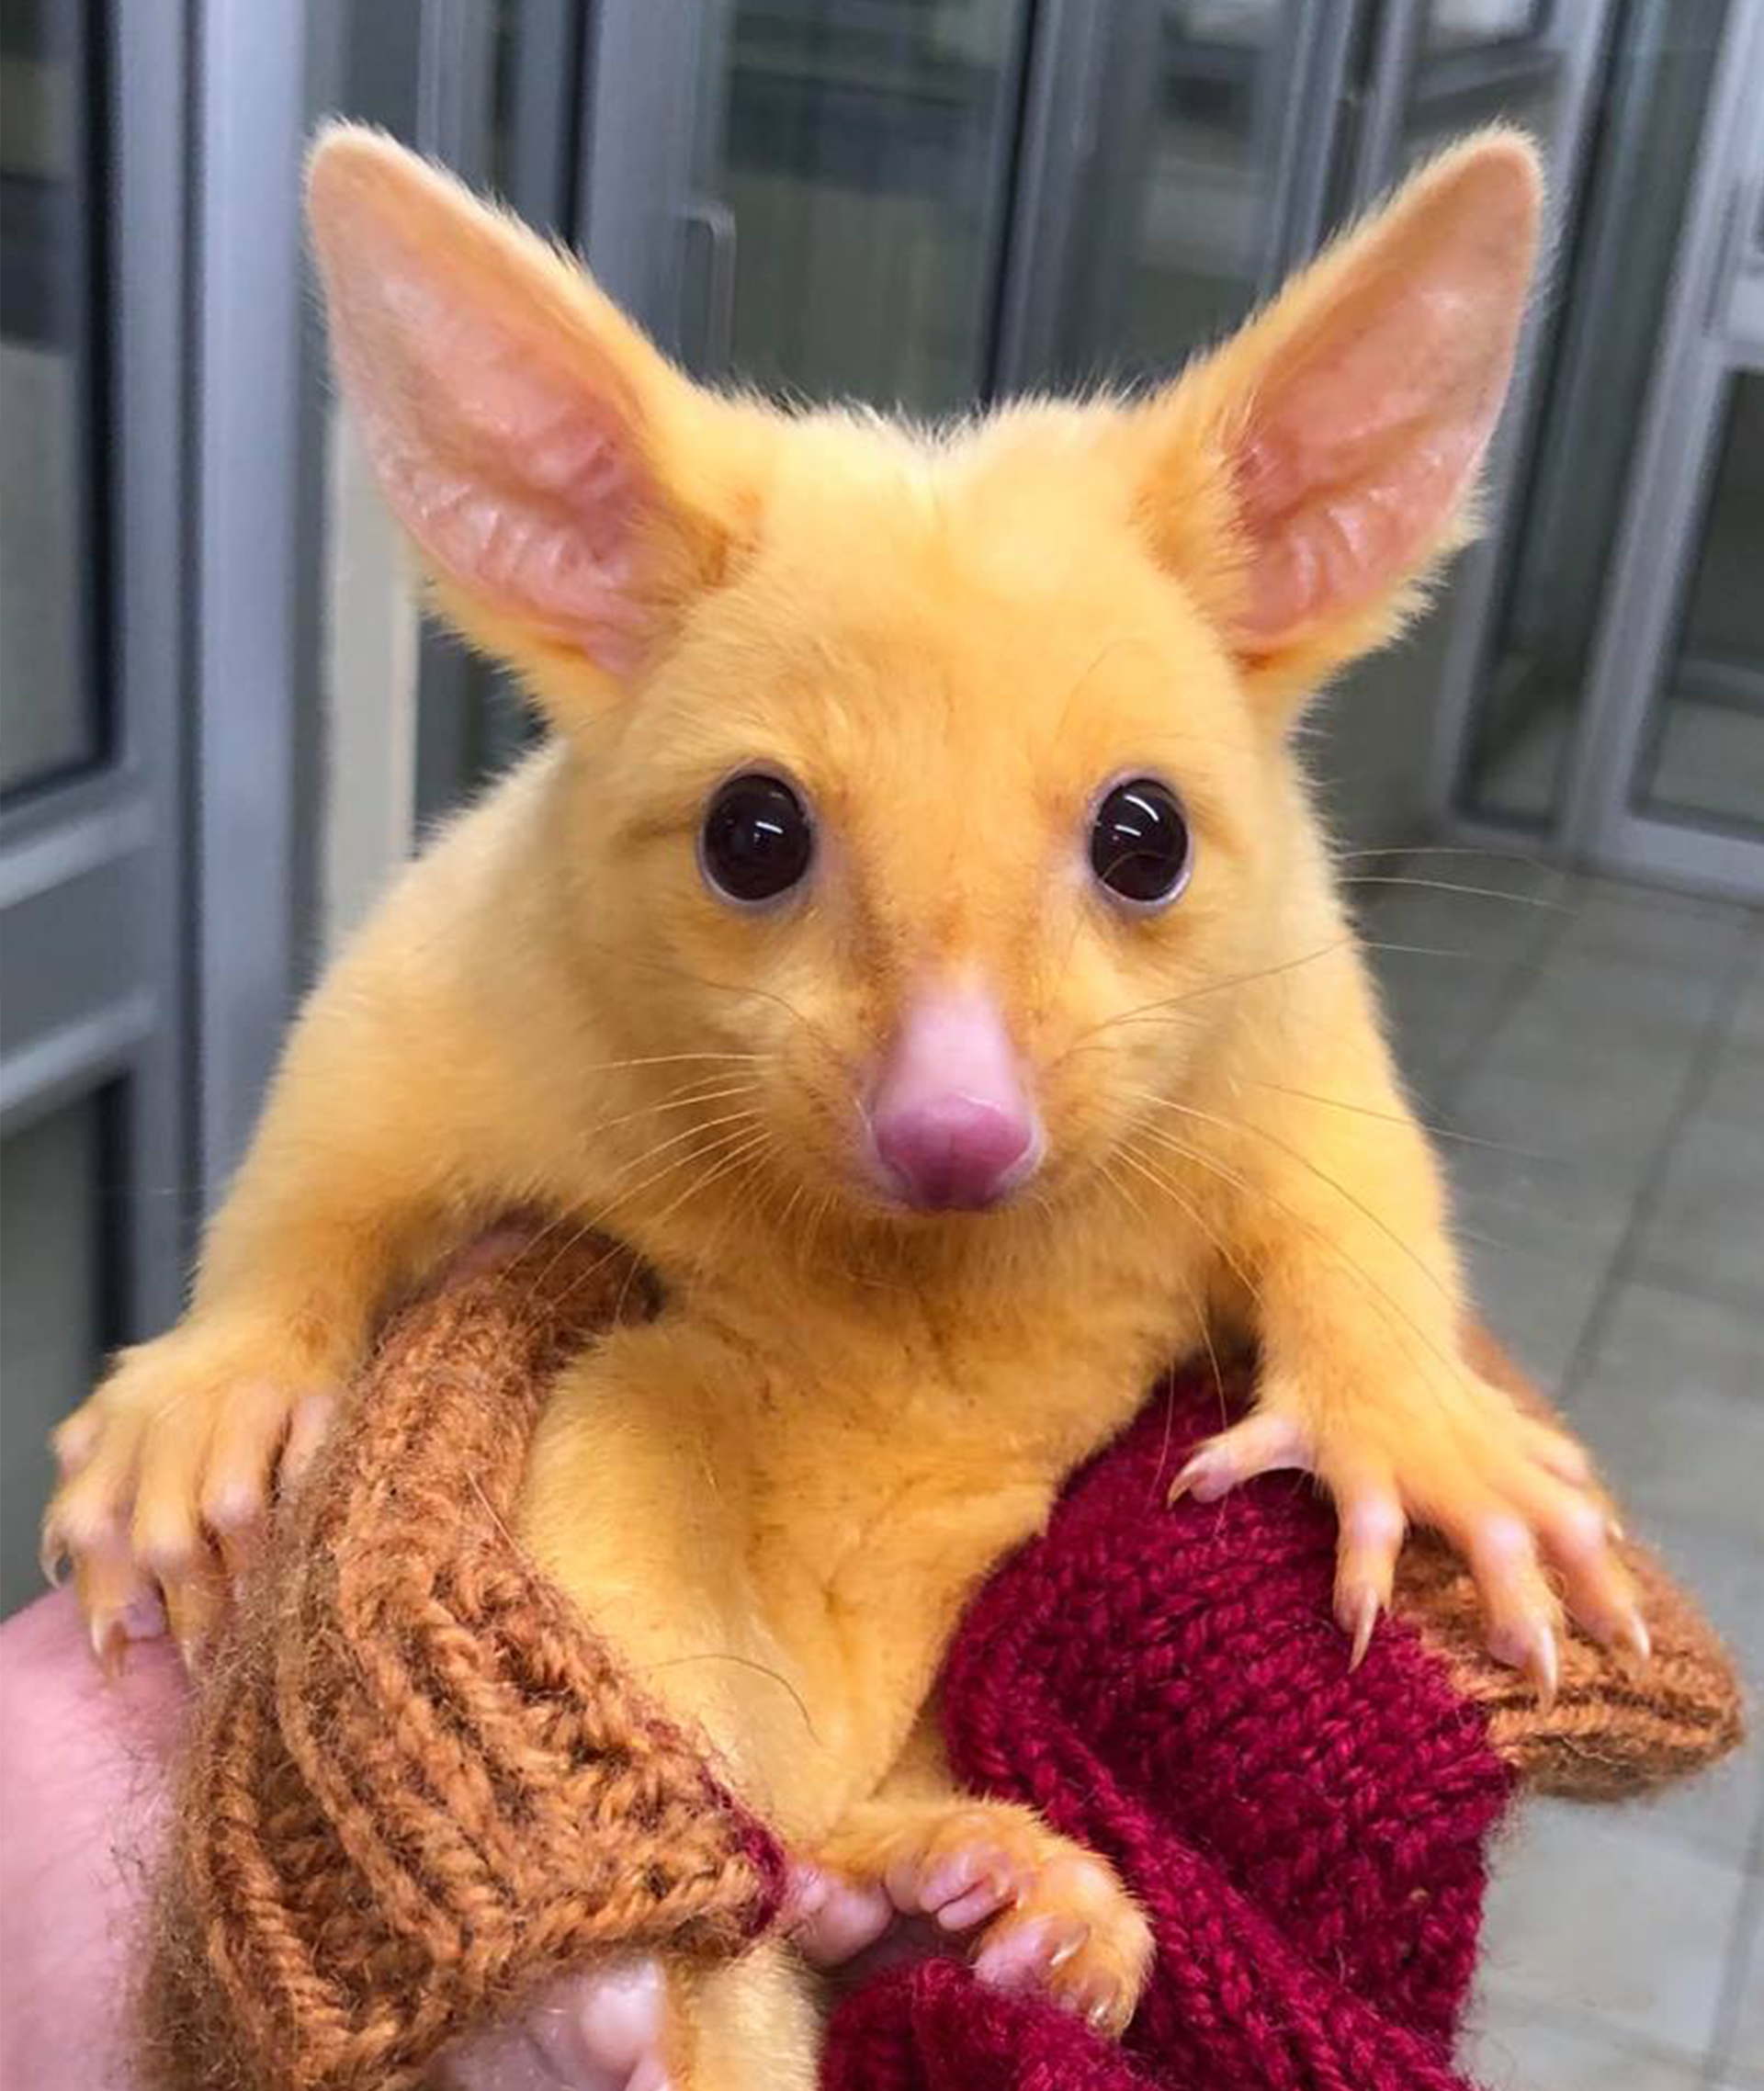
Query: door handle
[{"x": 711, "y": 240}]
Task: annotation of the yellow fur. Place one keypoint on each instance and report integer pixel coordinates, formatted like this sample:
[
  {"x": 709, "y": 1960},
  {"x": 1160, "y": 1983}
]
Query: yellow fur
[{"x": 779, "y": 1496}]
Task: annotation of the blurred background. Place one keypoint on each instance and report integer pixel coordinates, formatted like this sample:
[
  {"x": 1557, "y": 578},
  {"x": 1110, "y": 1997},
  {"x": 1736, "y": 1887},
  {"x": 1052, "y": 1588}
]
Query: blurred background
[{"x": 223, "y": 722}]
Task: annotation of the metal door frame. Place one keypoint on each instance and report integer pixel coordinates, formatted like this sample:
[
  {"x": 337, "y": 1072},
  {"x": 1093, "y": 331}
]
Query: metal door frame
[
  {"x": 93, "y": 871},
  {"x": 1707, "y": 337},
  {"x": 256, "y": 727}
]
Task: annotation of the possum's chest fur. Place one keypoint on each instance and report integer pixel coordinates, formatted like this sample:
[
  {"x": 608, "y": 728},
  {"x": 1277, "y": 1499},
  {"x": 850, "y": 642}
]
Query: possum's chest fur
[{"x": 779, "y": 1521}]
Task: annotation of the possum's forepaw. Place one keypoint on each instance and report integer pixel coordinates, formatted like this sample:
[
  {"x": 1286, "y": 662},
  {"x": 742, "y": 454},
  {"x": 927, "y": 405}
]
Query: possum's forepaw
[
  {"x": 1036, "y": 1914},
  {"x": 1514, "y": 1495},
  {"x": 169, "y": 1473}
]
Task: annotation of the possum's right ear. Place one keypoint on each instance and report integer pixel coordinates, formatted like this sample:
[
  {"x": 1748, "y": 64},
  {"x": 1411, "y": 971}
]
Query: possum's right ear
[
  {"x": 1308, "y": 476},
  {"x": 568, "y": 490}
]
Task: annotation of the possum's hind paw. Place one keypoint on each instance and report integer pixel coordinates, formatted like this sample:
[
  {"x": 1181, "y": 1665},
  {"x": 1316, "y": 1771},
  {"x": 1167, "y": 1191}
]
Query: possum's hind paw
[{"x": 1038, "y": 1915}]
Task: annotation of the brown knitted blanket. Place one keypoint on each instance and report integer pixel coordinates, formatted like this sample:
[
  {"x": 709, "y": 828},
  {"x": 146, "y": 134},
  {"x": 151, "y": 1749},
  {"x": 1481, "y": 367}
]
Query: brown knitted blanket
[
  {"x": 1612, "y": 1734},
  {"x": 418, "y": 1787},
  {"x": 417, "y": 1784}
]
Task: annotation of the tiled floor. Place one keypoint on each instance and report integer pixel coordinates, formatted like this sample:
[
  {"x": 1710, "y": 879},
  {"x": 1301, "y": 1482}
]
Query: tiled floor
[{"x": 1609, "y": 1042}]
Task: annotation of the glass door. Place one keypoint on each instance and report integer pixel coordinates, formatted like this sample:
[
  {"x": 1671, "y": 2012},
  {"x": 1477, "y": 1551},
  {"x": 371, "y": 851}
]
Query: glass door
[
  {"x": 1673, "y": 782},
  {"x": 809, "y": 194}
]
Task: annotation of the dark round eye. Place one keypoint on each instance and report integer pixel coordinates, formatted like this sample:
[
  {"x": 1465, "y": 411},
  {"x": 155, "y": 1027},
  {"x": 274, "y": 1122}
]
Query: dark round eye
[
  {"x": 756, "y": 842},
  {"x": 1140, "y": 847}
]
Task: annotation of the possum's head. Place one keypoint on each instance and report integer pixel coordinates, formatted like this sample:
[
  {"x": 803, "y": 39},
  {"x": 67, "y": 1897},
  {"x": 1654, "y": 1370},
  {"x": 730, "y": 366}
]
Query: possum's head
[{"x": 945, "y": 774}]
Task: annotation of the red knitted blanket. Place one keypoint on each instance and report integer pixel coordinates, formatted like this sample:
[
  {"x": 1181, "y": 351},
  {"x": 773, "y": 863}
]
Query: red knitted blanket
[{"x": 1168, "y": 1687}]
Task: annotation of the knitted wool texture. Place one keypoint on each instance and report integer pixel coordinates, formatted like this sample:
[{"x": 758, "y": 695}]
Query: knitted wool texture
[
  {"x": 1170, "y": 1688},
  {"x": 419, "y": 1787},
  {"x": 418, "y": 1784}
]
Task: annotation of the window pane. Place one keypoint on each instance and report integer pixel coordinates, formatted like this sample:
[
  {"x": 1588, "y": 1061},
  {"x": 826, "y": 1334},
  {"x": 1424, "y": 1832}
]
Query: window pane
[
  {"x": 1478, "y": 66},
  {"x": 1454, "y": 24},
  {"x": 50, "y": 720},
  {"x": 1179, "y": 197},
  {"x": 1708, "y": 757},
  {"x": 865, "y": 157},
  {"x": 51, "y": 1326}
]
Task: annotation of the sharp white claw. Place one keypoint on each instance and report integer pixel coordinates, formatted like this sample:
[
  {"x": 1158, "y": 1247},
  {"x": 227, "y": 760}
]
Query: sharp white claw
[
  {"x": 1365, "y": 1620},
  {"x": 1075, "y": 1944}
]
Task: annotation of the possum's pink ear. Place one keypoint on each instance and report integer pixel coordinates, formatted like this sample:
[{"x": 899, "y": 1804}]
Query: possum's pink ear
[
  {"x": 568, "y": 488},
  {"x": 1307, "y": 474}
]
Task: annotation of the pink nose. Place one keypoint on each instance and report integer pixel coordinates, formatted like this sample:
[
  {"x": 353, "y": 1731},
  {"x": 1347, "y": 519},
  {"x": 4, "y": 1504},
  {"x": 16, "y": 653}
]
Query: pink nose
[
  {"x": 955, "y": 1153},
  {"x": 951, "y": 1127}
]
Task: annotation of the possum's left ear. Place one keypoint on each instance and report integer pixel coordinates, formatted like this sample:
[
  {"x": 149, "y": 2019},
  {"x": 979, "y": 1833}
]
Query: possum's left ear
[
  {"x": 568, "y": 490},
  {"x": 1305, "y": 476}
]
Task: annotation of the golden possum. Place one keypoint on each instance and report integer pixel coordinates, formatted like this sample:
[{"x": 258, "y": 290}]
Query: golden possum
[{"x": 916, "y": 939}]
